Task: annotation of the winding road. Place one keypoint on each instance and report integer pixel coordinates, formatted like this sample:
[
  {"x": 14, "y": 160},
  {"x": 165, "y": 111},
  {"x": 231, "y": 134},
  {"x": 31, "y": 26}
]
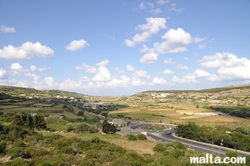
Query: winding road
[{"x": 163, "y": 136}]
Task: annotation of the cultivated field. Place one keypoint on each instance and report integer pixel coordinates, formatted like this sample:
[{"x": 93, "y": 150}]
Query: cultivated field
[{"x": 182, "y": 113}]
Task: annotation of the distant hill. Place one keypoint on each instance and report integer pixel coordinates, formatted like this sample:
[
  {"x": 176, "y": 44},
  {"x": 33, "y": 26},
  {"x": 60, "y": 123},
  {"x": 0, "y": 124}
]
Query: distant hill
[
  {"x": 18, "y": 91},
  {"x": 212, "y": 90}
]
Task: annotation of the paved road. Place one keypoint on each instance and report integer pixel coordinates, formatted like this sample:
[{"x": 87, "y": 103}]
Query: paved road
[{"x": 163, "y": 136}]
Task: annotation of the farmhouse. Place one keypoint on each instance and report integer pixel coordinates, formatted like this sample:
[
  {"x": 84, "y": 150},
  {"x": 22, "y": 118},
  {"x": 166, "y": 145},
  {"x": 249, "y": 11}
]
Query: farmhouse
[
  {"x": 117, "y": 122},
  {"x": 95, "y": 105}
]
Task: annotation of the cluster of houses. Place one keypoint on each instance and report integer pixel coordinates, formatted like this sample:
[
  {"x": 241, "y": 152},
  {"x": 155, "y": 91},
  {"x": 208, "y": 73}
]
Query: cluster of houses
[
  {"x": 231, "y": 97},
  {"x": 117, "y": 122},
  {"x": 162, "y": 95}
]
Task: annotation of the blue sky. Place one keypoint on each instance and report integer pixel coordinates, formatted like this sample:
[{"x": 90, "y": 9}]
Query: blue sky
[{"x": 124, "y": 47}]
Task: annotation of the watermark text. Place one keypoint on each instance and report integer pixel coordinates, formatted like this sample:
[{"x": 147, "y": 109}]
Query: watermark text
[{"x": 210, "y": 159}]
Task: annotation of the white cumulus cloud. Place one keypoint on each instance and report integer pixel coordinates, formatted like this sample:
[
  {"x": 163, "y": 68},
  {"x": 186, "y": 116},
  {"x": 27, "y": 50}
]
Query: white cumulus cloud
[
  {"x": 159, "y": 81},
  {"x": 3, "y": 73},
  {"x": 201, "y": 73},
  {"x": 77, "y": 44},
  {"x": 145, "y": 5},
  {"x": 190, "y": 78},
  {"x": 34, "y": 68},
  {"x": 50, "y": 82},
  {"x": 152, "y": 26},
  {"x": 175, "y": 41},
  {"x": 130, "y": 68},
  {"x": 16, "y": 68},
  {"x": 229, "y": 66},
  {"x": 86, "y": 68},
  {"x": 167, "y": 71},
  {"x": 201, "y": 46},
  {"x": 174, "y": 8},
  {"x": 155, "y": 11},
  {"x": 169, "y": 61},
  {"x": 119, "y": 70},
  {"x": 141, "y": 74},
  {"x": 198, "y": 39},
  {"x": 26, "y": 51},
  {"x": 103, "y": 63},
  {"x": 6, "y": 29},
  {"x": 223, "y": 60},
  {"x": 103, "y": 74},
  {"x": 32, "y": 76},
  {"x": 162, "y": 1},
  {"x": 149, "y": 58},
  {"x": 122, "y": 81},
  {"x": 136, "y": 81},
  {"x": 182, "y": 67}
]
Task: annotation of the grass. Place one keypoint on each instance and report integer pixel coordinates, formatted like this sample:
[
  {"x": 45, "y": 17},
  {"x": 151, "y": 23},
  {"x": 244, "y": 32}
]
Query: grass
[
  {"x": 152, "y": 115},
  {"x": 88, "y": 121},
  {"x": 174, "y": 116},
  {"x": 43, "y": 105},
  {"x": 28, "y": 102},
  {"x": 57, "y": 127},
  {"x": 72, "y": 115},
  {"x": 9, "y": 106},
  {"x": 20, "y": 109},
  {"x": 153, "y": 127},
  {"x": 140, "y": 146}
]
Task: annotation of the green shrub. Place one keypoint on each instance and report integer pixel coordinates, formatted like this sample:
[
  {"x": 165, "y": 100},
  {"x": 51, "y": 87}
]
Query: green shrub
[
  {"x": 159, "y": 147},
  {"x": 17, "y": 162},
  {"x": 141, "y": 137},
  {"x": 95, "y": 140},
  {"x": 131, "y": 137},
  {"x": 80, "y": 113},
  {"x": 18, "y": 152},
  {"x": 2, "y": 147},
  {"x": 34, "y": 152}
]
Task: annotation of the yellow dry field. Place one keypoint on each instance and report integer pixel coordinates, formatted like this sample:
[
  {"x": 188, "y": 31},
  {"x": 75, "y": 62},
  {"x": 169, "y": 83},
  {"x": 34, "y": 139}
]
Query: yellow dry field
[
  {"x": 138, "y": 146},
  {"x": 177, "y": 116},
  {"x": 71, "y": 115},
  {"x": 89, "y": 115},
  {"x": 76, "y": 110}
]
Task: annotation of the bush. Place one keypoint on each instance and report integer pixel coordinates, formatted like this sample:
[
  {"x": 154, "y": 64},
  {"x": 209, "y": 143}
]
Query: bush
[
  {"x": 141, "y": 137},
  {"x": 159, "y": 147},
  {"x": 80, "y": 113},
  {"x": 17, "y": 162},
  {"x": 131, "y": 137},
  {"x": 95, "y": 140},
  {"x": 2, "y": 147},
  {"x": 108, "y": 128},
  {"x": 18, "y": 152}
]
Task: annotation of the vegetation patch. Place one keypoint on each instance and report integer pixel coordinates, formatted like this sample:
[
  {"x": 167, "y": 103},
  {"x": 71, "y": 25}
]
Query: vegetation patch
[{"x": 153, "y": 127}]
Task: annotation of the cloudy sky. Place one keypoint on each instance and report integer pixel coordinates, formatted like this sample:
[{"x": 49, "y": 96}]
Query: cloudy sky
[{"x": 123, "y": 47}]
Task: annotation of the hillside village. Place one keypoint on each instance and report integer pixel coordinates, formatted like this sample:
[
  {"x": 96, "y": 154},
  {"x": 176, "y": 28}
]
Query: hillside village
[
  {"x": 239, "y": 95},
  {"x": 231, "y": 97}
]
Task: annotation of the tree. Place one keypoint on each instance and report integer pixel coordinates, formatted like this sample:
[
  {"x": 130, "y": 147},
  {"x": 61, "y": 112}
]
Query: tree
[
  {"x": 29, "y": 122},
  {"x": 80, "y": 113},
  {"x": 1, "y": 127},
  {"x": 39, "y": 122},
  {"x": 17, "y": 120},
  {"x": 2, "y": 147},
  {"x": 105, "y": 114},
  {"x": 108, "y": 128}
]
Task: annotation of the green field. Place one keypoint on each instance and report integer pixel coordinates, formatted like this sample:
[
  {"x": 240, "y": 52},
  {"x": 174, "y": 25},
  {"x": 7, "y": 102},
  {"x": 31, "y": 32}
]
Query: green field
[{"x": 153, "y": 127}]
